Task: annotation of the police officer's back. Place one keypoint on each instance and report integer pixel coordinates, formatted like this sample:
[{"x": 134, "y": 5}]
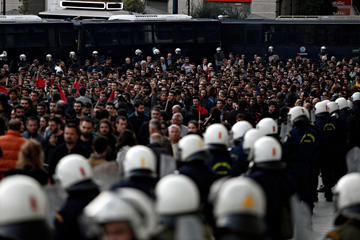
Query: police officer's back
[
  {"x": 347, "y": 222},
  {"x": 140, "y": 170},
  {"x": 74, "y": 173},
  {"x": 216, "y": 139},
  {"x": 300, "y": 153},
  {"x": 269, "y": 171}
]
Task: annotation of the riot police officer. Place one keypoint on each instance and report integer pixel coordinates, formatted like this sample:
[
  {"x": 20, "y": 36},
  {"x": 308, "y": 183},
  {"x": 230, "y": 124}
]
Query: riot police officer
[
  {"x": 178, "y": 203},
  {"x": 269, "y": 172},
  {"x": 356, "y": 108},
  {"x": 23, "y": 209},
  {"x": 300, "y": 153},
  {"x": 192, "y": 156},
  {"x": 347, "y": 222},
  {"x": 238, "y": 131},
  {"x": 124, "y": 214},
  {"x": 138, "y": 57},
  {"x": 240, "y": 209},
  {"x": 217, "y": 141},
  {"x": 139, "y": 170},
  {"x": 328, "y": 149},
  {"x": 75, "y": 176}
]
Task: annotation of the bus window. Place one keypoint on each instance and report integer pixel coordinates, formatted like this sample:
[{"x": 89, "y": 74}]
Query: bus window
[
  {"x": 142, "y": 33},
  {"x": 163, "y": 34}
]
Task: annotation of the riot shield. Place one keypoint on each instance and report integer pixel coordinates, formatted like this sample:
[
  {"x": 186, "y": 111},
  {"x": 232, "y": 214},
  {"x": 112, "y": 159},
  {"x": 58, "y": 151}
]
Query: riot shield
[
  {"x": 353, "y": 160},
  {"x": 167, "y": 165},
  {"x": 189, "y": 227},
  {"x": 56, "y": 196},
  {"x": 105, "y": 175},
  {"x": 302, "y": 220}
]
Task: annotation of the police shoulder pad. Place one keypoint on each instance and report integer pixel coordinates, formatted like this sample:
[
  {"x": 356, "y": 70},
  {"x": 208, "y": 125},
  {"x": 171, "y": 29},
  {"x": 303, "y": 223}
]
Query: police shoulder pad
[{"x": 332, "y": 236}]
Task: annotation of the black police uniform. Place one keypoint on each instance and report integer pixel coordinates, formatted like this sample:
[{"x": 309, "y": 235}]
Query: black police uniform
[
  {"x": 300, "y": 153},
  {"x": 327, "y": 158},
  {"x": 67, "y": 219},
  {"x": 278, "y": 188},
  {"x": 220, "y": 163}
]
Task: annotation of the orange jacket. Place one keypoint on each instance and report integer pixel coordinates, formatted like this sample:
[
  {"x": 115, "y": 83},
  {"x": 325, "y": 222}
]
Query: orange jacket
[{"x": 10, "y": 145}]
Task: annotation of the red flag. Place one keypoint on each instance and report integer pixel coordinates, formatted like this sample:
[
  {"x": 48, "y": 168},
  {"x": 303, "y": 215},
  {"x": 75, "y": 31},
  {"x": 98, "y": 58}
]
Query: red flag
[
  {"x": 3, "y": 89},
  {"x": 77, "y": 86},
  {"x": 40, "y": 82},
  {"x": 127, "y": 89},
  {"x": 62, "y": 95},
  {"x": 111, "y": 96},
  {"x": 201, "y": 110}
]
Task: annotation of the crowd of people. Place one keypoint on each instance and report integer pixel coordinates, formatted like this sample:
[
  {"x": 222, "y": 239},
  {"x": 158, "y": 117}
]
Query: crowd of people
[{"x": 160, "y": 147}]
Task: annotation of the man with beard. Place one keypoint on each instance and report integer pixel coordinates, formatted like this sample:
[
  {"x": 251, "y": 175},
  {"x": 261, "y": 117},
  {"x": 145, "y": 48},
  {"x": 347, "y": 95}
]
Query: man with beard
[
  {"x": 77, "y": 108},
  {"x": 71, "y": 145},
  {"x": 137, "y": 118},
  {"x": 87, "y": 136}
]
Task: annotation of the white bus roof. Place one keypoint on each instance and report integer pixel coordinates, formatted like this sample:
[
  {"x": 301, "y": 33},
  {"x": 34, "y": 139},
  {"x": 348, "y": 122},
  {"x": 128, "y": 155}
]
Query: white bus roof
[
  {"x": 20, "y": 18},
  {"x": 144, "y": 17}
]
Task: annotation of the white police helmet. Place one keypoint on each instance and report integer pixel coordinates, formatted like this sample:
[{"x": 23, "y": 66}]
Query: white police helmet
[
  {"x": 321, "y": 108},
  {"x": 177, "y": 50},
  {"x": 268, "y": 126},
  {"x": 73, "y": 169},
  {"x": 218, "y": 49},
  {"x": 176, "y": 194},
  {"x": 95, "y": 53},
  {"x": 22, "y": 57},
  {"x": 350, "y": 104},
  {"x": 124, "y": 205},
  {"x": 239, "y": 129},
  {"x": 355, "y": 97},
  {"x": 23, "y": 207},
  {"x": 156, "y": 51},
  {"x": 333, "y": 107},
  {"x": 4, "y": 53},
  {"x": 216, "y": 134},
  {"x": 323, "y": 48},
  {"x": 267, "y": 153},
  {"x": 192, "y": 147},
  {"x": 347, "y": 192},
  {"x": 71, "y": 54},
  {"x": 139, "y": 161},
  {"x": 270, "y": 48},
  {"x": 138, "y": 52},
  {"x": 298, "y": 114},
  {"x": 250, "y": 138},
  {"x": 48, "y": 56},
  {"x": 342, "y": 103},
  {"x": 241, "y": 198}
]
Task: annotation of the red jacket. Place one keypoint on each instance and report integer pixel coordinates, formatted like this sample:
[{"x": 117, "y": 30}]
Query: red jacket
[{"x": 10, "y": 145}]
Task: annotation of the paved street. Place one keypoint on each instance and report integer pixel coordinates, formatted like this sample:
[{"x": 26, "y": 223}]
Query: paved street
[{"x": 323, "y": 217}]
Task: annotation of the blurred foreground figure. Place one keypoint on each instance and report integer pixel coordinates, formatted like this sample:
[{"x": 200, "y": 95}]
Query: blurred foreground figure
[
  {"x": 240, "y": 210},
  {"x": 75, "y": 176},
  {"x": 125, "y": 214},
  {"x": 347, "y": 204},
  {"x": 23, "y": 209}
]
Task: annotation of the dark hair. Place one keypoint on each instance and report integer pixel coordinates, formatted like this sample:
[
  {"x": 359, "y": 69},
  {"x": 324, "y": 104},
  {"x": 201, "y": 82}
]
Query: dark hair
[
  {"x": 56, "y": 120},
  {"x": 14, "y": 124},
  {"x": 32, "y": 118},
  {"x": 86, "y": 119},
  {"x": 73, "y": 125},
  {"x": 126, "y": 138},
  {"x": 100, "y": 144}
]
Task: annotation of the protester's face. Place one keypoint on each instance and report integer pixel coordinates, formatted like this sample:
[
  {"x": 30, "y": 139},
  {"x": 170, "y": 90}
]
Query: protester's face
[
  {"x": 34, "y": 96},
  {"x": 24, "y": 103},
  {"x": 140, "y": 109},
  {"x": 19, "y": 112},
  {"x": 53, "y": 127},
  {"x": 86, "y": 128},
  {"x": 118, "y": 231},
  {"x": 43, "y": 122},
  {"x": 271, "y": 108},
  {"x": 70, "y": 135},
  {"x": 121, "y": 126},
  {"x": 77, "y": 107},
  {"x": 40, "y": 110},
  {"x": 174, "y": 134},
  {"x": 192, "y": 128},
  {"x": 104, "y": 129},
  {"x": 155, "y": 114},
  {"x": 52, "y": 107},
  {"x": 195, "y": 102},
  {"x": 32, "y": 126}
]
